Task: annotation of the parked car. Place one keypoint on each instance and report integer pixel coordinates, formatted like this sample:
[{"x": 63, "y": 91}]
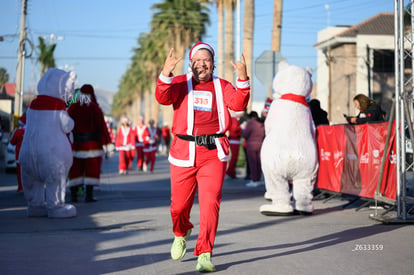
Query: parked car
[{"x": 9, "y": 156}]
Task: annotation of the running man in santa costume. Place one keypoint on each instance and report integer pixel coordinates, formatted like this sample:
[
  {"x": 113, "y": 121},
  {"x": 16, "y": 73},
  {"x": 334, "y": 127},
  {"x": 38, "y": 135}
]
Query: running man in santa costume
[
  {"x": 200, "y": 150},
  {"x": 90, "y": 135},
  {"x": 131, "y": 152},
  {"x": 235, "y": 134},
  {"x": 166, "y": 137},
  {"x": 139, "y": 131},
  {"x": 17, "y": 140},
  {"x": 151, "y": 137},
  {"x": 124, "y": 143}
]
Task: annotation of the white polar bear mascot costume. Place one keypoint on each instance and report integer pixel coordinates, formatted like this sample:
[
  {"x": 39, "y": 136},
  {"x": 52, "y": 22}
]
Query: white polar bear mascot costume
[
  {"x": 289, "y": 150},
  {"x": 46, "y": 153}
]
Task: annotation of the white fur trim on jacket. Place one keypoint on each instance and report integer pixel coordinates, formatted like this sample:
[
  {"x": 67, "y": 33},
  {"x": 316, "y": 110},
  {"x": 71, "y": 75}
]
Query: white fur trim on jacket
[
  {"x": 88, "y": 154},
  {"x": 166, "y": 79},
  {"x": 190, "y": 123},
  {"x": 242, "y": 83}
]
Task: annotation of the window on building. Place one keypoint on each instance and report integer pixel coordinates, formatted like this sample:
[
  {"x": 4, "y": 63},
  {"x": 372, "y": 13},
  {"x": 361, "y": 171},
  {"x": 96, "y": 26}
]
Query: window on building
[{"x": 384, "y": 61}]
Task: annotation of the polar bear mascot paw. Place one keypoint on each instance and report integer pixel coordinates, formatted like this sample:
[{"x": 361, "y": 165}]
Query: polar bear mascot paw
[
  {"x": 64, "y": 211},
  {"x": 289, "y": 151},
  {"x": 46, "y": 153}
]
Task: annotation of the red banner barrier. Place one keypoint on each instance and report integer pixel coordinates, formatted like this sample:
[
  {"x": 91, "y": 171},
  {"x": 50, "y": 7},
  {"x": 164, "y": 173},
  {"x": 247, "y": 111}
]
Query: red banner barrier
[{"x": 350, "y": 159}]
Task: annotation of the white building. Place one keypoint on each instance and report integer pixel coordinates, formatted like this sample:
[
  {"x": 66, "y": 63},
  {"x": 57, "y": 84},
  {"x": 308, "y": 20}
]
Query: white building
[{"x": 355, "y": 59}]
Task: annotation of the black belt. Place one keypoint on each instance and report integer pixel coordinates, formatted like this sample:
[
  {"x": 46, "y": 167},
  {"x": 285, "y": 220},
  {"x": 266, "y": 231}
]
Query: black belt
[
  {"x": 84, "y": 137},
  {"x": 203, "y": 140}
]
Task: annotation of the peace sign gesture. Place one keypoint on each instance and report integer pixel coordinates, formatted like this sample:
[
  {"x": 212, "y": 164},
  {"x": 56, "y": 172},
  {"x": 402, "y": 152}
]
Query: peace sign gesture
[
  {"x": 240, "y": 68},
  {"x": 170, "y": 63}
]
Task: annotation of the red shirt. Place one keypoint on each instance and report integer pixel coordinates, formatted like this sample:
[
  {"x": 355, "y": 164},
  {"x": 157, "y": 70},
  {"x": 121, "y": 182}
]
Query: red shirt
[{"x": 17, "y": 140}]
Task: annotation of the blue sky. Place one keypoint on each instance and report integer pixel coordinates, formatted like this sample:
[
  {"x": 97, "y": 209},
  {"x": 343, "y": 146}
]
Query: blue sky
[{"x": 95, "y": 38}]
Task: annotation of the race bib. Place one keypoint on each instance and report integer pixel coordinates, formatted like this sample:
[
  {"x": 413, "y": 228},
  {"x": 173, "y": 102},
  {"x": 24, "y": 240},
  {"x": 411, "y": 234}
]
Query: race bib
[{"x": 203, "y": 100}]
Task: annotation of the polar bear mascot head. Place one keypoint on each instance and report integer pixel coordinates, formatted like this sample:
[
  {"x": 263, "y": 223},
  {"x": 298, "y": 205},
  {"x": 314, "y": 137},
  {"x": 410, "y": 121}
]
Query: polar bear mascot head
[
  {"x": 289, "y": 153},
  {"x": 57, "y": 83},
  {"x": 292, "y": 79},
  {"x": 46, "y": 153}
]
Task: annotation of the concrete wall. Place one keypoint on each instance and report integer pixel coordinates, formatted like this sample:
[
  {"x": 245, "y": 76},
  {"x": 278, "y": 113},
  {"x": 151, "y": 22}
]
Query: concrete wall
[{"x": 349, "y": 75}]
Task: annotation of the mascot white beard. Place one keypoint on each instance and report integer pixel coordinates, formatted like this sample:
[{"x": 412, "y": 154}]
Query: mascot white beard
[
  {"x": 289, "y": 150},
  {"x": 46, "y": 153}
]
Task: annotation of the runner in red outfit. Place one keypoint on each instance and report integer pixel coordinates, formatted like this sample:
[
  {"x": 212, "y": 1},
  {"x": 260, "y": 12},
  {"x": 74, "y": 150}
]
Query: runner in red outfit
[
  {"x": 235, "y": 134},
  {"x": 199, "y": 151},
  {"x": 139, "y": 131},
  {"x": 151, "y": 137}
]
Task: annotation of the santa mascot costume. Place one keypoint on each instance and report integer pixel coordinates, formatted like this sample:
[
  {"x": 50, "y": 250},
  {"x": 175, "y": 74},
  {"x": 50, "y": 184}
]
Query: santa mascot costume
[
  {"x": 289, "y": 150},
  {"x": 90, "y": 135},
  {"x": 46, "y": 153}
]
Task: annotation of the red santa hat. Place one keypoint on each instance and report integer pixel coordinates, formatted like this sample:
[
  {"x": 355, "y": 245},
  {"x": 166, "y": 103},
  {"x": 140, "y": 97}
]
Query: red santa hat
[
  {"x": 124, "y": 119},
  {"x": 267, "y": 104},
  {"x": 22, "y": 120},
  {"x": 199, "y": 46},
  {"x": 87, "y": 89}
]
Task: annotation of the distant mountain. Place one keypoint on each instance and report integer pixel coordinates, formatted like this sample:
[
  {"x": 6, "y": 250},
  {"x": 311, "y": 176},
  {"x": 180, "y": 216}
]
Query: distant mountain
[{"x": 104, "y": 98}]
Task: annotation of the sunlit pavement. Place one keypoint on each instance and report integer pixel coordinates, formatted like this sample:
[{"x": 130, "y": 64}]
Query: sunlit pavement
[{"x": 128, "y": 231}]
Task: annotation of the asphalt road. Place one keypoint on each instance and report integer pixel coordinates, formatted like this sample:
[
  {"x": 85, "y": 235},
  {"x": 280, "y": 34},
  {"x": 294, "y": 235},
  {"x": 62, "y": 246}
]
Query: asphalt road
[{"x": 128, "y": 231}]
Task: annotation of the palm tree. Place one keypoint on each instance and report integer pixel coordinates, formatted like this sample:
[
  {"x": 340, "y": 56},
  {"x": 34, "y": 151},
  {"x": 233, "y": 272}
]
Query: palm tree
[
  {"x": 46, "y": 56},
  {"x": 220, "y": 40},
  {"x": 276, "y": 31},
  {"x": 184, "y": 22},
  {"x": 229, "y": 6},
  {"x": 248, "y": 23},
  {"x": 152, "y": 61},
  {"x": 123, "y": 97},
  {"x": 4, "y": 77},
  {"x": 177, "y": 24},
  {"x": 181, "y": 22}
]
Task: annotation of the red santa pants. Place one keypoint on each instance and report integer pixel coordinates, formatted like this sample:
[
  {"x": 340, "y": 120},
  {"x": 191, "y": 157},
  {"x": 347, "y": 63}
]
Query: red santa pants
[
  {"x": 131, "y": 157},
  {"x": 124, "y": 160},
  {"x": 255, "y": 164},
  {"x": 231, "y": 169},
  {"x": 140, "y": 156},
  {"x": 85, "y": 171},
  {"x": 207, "y": 176},
  {"x": 19, "y": 177},
  {"x": 150, "y": 159}
]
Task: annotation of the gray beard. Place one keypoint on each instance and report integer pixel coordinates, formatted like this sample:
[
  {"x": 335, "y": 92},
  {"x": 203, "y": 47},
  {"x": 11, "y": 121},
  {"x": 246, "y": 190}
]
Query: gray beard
[{"x": 195, "y": 73}]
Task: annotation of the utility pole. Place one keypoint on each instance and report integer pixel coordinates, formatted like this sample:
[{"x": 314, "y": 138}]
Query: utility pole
[
  {"x": 368, "y": 63},
  {"x": 329, "y": 61},
  {"x": 276, "y": 34},
  {"x": 238, "y": 51},
  {"x": 18, "y": 97},
  {"x": 277, "y": 25}
]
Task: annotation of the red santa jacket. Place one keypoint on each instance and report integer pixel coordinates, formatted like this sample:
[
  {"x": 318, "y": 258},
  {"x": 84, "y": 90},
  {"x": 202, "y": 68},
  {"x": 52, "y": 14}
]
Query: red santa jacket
[
  {"x": 90, "y": 133},
  {"x": 17, "y": 140},
  {"x": 166, "y": 133},
  {"x": 139, "y": 135},
  {"x": 179, "y": 92},
  {"x": 235, "y": 131},
  {"x": 125, "y": 139},
  {"x": 151, "y": 136}
]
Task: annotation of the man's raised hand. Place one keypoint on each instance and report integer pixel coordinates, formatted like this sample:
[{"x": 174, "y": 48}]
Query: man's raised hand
[
  {"x": 240, "y": 68},
  {"x": 170, "y": 63}
]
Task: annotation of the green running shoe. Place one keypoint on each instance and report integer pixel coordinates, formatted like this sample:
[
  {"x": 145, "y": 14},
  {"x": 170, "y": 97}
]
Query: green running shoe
[
  {"x": 204, "y": 263},
  {"x": 179, "y": 248}
]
